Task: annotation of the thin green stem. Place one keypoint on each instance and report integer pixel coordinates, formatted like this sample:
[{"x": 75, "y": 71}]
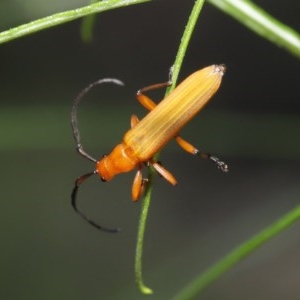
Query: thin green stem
[
  {"x": 63, "y": 17},
  {"x": 147, "y": 198},
  {"x": 262, "y": 23},
  {"x": 86, "y": 29},
  {"x": 186, "y": 37},
  {"x": 242, "y": 251},
  {"x": 141, "y": 234}
]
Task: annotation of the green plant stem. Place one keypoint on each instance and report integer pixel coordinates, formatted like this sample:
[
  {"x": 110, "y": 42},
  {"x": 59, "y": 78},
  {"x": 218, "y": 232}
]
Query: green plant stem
[
  {"x": 63, "y": 17},
  {"x": 213, "y": 273},
  {"x": 186, "y": 37},
  {"x": 86, "y": 29},
  {"x": 261, "y": 22},
  {"x": 147, "y": 198},
  {"x": 141, "y": 234}
]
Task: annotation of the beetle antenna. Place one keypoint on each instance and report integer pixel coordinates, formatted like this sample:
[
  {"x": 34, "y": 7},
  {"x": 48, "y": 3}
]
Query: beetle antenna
[
  {"x": 74, "y": 120},
  {"x": 78, "y": 182}
]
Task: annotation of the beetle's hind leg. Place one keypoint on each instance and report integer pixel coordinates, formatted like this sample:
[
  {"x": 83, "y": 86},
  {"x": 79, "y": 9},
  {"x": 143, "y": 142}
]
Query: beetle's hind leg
[{"x": 185, "y": 145}]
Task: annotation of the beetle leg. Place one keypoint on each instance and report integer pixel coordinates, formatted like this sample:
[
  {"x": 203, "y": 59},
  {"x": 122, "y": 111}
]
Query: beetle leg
[
  {"x": 145, "y": 100},
  {"x": 163, "y": 172},
  {"x": 185, "y": 145},
  {"x": 138, "y": 185}
]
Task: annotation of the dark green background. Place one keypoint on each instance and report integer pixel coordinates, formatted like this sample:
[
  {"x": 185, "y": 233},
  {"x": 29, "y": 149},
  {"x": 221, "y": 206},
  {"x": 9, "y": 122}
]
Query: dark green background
[{"x": 48, "y": 252}]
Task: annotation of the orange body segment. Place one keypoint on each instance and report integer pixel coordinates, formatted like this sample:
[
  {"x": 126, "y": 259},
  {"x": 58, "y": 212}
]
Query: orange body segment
[{"x": 122, "y": 159}]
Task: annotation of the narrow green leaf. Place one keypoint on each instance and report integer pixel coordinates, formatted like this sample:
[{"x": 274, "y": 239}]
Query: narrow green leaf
[
  {"x": 63, "y": 17},
  {"x": 212, "y": 274},
  {"x": 262, "y": 23}
]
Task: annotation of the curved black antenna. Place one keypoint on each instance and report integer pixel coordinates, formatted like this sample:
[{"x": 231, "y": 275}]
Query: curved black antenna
[
  {"x": 80, "y": 180},
  {"x": 74, "y": 120},
  {"x": 81, "y": 151}
]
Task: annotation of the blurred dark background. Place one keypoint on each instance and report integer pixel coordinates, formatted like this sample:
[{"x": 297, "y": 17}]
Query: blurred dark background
[{"x": 48, "y": 252}]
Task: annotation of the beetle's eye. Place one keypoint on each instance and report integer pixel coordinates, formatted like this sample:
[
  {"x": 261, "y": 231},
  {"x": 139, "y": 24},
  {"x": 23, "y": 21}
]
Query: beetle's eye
[{"x": 103, "y": 179}]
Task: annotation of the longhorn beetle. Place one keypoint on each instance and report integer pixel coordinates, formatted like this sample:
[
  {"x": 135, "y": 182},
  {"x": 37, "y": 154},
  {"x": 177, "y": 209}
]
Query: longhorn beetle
[{"x": 149, "y": 135}]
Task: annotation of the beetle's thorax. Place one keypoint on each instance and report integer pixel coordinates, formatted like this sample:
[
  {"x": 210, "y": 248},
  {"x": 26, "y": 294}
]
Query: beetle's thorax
[{"x": 120, "y": 160}]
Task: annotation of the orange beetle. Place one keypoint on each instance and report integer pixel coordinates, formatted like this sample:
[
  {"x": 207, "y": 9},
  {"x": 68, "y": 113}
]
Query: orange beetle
[{"x": 153, "y": 132}]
